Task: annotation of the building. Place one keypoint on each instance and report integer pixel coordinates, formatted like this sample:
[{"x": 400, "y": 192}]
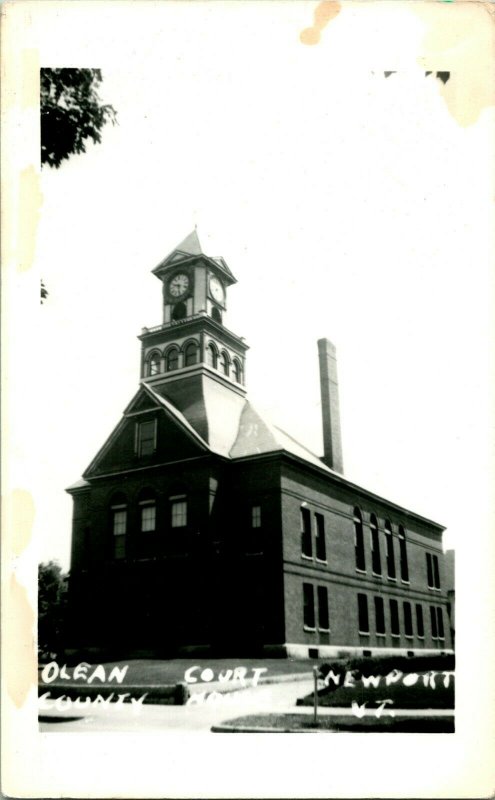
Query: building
[{"x": 201, "y": 527}]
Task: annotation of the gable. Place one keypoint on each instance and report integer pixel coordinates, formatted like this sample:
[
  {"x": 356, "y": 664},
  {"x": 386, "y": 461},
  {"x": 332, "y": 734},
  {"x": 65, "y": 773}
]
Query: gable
[{"x": 148, "y": 434}]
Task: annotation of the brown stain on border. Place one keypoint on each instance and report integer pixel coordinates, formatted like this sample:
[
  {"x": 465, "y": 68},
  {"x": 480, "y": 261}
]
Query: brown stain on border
[
  {"x": 323, "y": 14},
  {"x": 30, "y": 202},
  {"x": 460, "y": 38},
  {"x": 19, "y": 658},
  {"x": 21, "y": 526}
]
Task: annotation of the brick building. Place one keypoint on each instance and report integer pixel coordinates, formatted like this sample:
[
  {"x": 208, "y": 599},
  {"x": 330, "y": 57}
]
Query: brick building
[{"x": 199, "y": 526}]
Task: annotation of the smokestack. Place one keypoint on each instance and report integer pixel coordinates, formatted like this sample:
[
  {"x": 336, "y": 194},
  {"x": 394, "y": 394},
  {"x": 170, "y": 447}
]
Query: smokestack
[{"x": 329, "y": 387}]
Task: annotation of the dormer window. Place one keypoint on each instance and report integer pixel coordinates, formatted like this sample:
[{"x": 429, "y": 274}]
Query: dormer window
[{"x": 146, "y": 438}]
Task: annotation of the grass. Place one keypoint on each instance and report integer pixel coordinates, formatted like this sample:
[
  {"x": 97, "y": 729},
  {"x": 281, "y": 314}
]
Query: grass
[
  {"x": 154, "y": 672},
  {"x": 294, "y": 723}
]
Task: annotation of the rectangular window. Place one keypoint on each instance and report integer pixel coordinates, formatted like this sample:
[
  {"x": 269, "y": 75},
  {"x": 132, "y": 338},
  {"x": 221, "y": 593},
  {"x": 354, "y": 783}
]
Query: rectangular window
[
  {"x": 256, "y": 516},
  {"x": 178, "y": 509},
  {"x": 306, "y": 543},
  {"x": 408, "y": 625},
  {"x": 119, "y": 522},
  {"x": 321, "y": 551},
  {"x": 363, "y": 620},
  {"x": 376, "y": 562},
  {"x": 419, "y": 621},
  {"x": 379, "y": 616},
  {"x": 308, "y": 606},
  {"x": 394, "y": 618},
  {"x": 323, "y": 619},
  {"x": 433, "y": 617},
  {"x": 436, "y": 573},
  {"x": 404, "y": 568},
  {"x": 148, "y": 516},
  {"x": 359, "y": 544},
  {"x": 441, "y": 631},
  {"x": 146, "y": 438},
  {"x": 429, "y": 570}
]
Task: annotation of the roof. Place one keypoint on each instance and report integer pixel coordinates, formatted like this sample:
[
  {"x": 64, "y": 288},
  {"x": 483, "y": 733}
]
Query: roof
[{"x": 188, "y": 249}]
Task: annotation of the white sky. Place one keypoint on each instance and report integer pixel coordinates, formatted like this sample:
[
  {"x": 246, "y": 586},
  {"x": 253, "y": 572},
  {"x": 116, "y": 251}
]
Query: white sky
[{"x": 347, "y": 206}]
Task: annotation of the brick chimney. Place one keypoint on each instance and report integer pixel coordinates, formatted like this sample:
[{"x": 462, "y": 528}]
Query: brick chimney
[{"x": 329, "y": 387}]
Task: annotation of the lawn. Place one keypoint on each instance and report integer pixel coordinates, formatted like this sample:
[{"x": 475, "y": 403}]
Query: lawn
[{"x": 299, "y": 723}]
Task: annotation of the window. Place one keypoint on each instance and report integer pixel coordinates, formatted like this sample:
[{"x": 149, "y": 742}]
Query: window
[
  {"x": 179, "y": 312},
  {"x": 146, "y": 438},
  {"x": 321, "y": 552},
  {"x": 408, "y": 626},
  {"x": 308, "y": 606},
  {"x": 172, "y": 359},
  {"x": 429, "y": 570},
  {"x": 153, "y": 364},
  {"x": 211, "y": 356},
  {"x": 419, "y": 621},
  {"x": 237, "y": 371},
  {"x": 148, "y": 515},
  {"x": 256, "y": 516},
  {"x": 178, "y": 511},
  {"x": 224, "y": 363},
  {"x": 363, "y": 620},
  {"x": 433, "y": 618},
  {"x": 390, "y": 551},
  {"x": 376, "y": 562},
  {"x": 436, "y": 573},
  {"x": 404, "y": 568},
  {"x": 359, "y": 541},
  {"x": 432, "y": 571},
  {"x": 191, "y": 354},
  {"x": 394, "y": 618},
  {"x": 306, "y": 543},
  {"x": 379, "y": 616},
  {"x": 119, "y": 526},
  {"x": 441, "y": 631},
  {"x": 323, "y": 619}
]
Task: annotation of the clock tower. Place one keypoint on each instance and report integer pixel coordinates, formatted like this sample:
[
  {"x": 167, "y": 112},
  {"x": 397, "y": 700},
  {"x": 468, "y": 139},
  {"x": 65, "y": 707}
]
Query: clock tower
[{"x": 191, "y": 358}]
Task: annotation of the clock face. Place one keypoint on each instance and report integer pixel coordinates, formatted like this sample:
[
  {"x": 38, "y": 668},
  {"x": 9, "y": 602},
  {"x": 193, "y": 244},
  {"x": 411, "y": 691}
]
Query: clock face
[
  {"x": 179, "y": 284},
  {"x": 217, "y": 290}
]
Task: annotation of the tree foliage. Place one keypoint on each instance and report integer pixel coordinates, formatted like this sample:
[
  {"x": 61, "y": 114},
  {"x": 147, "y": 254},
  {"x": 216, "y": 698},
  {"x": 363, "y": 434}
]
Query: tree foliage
[
  {"x": 71, "y": 112},
  {"x": 52, "y": 607}
]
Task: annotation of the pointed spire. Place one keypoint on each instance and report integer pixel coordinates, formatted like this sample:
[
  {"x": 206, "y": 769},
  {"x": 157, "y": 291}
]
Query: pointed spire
[{"x": 190, "y": 244}]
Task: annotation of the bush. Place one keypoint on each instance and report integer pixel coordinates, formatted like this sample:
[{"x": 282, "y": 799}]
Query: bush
[{"x": 381, "y": 665}]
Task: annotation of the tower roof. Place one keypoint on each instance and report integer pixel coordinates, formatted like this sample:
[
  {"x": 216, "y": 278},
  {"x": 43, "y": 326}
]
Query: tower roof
[{"x": 189, "y": 248}]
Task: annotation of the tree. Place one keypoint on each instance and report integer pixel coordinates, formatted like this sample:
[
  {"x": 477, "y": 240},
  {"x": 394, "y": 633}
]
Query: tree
[
  {"x": 71, "y": 112},
  {"x": 52, "y": 608}
]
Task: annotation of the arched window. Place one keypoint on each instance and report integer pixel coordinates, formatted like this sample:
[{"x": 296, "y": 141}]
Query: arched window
[
  {"x": 179, "y": 312},
  {"x": 375, "y": 546},
  {"x": 390, "y": 550},
  {"x": 211, "y": 355},
  {"x": 172, "y": 359},
  {"x": 147, "y": 511},
  {"x": 359, "y": 541},
  {"x": 153, "y": 364},
  {"x": 191, "y": 354},
  {"x": 224, "y": 363},
  {"x": 237, "y": 371},
  {"x": 216, "y": 314},
  {"x": 404, "y": 567},
  {"x": 118, "y": 510}
]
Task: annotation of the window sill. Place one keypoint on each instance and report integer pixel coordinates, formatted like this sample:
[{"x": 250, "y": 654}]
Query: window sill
[
  {"x": 364, "y": 633},
  {"x": 377, "y": 574},
  {"x": 395, "y": 635},
  {"x": 382, "y": 635},
  {"x": 421, "y": 637},
  {"x": 361, "y": 571},
  {"x": 307, "y": 558},
  {"x": 321, "y": 561},
  {"x": 408, "y": 583},
  {"x": 409, "y": 636},
  {"x": 308, "y": 629},
  {"x": 324, "y": 630},
  {"x": 394, "y": 580}
]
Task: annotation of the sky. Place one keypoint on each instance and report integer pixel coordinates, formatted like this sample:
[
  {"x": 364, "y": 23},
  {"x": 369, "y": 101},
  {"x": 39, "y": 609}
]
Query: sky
[{"x": 347, "y": 205}]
